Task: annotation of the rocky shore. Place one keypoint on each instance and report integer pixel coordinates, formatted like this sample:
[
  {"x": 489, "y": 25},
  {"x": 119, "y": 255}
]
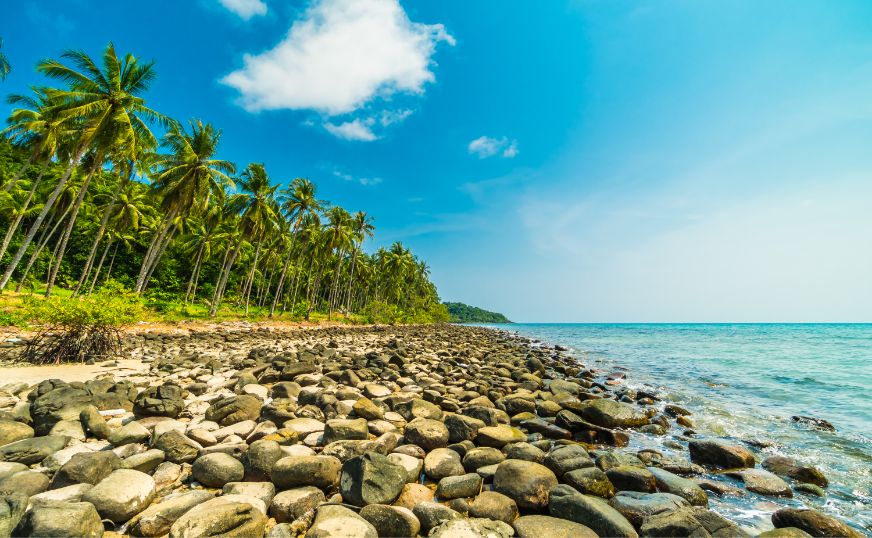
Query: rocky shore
[{"x": 442, "y": 431}]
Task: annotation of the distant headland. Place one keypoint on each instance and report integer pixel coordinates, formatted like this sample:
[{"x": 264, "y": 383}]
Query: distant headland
[{"x": 463, "y": 313}]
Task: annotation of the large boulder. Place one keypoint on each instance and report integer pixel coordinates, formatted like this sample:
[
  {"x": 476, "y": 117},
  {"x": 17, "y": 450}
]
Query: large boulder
[
  {"x": 86, "y": 468},
  {"x": 550, "y": 527},
  {"x": 427, "y": 433},
  {"x": 785, "y": 466},
  {"x": 12, "y": 509},
  {"x": 63, "y": 402},
  {"x": 612, "y": 414},
  {"x": 636, "y": 506},
  {"x": 763, "y": 482},
  {"x": 391, "y": 520},
  {"x": 177, "y": 447},
  {"x": 228, "y": 411},
  {"x": 813, "y": 522},
  {"x": 12, "y": 430},
  {"x": 525, "y": 482},
  {"x": 371, "y": 479},
  {"x": 122, "y": 494},
  {"x": 592, "y": 512},
  {"x": 32, "y": 450},
  {"x": 157, "y": 519},
  {"x": 161, "y": 401},
  {"x": 717, "y": 453},
  {"x": 472, "y": 528},
  {"x": 590, "y": 481},
  {"x": 220, "y": 517},
  {"x": 296, "y": 471},
  {"x": 687, "y": 489},
  {"x": 215, "y": 470},
  {"x": 692, "y": 521},
  {"x": 62, "y": 519}
]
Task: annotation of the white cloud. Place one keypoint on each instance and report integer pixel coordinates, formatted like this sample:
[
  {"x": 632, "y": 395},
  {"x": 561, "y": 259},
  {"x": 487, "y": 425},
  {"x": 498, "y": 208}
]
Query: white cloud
[
  {"x": 365, "y": 181},
  {"x": 246, "y": 9},
  {"x": 485, "y": 146},
  {"x": 340, "y": 55},
  {"x": 352, "y": 130}
]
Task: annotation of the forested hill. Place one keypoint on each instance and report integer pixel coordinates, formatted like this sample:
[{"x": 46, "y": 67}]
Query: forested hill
[{"x": 463, "y": 313}]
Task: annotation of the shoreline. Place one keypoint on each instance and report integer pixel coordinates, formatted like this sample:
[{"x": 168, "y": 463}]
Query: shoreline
[{"x": 514, "y": 437}]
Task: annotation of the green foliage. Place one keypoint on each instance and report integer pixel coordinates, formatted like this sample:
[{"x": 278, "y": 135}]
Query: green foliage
[
  {"x": 106, "y": 308},
  {"x": 463, "y": 313}
]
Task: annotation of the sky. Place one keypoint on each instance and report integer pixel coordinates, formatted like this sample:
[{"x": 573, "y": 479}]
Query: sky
[{"x": 559, "y": 161}]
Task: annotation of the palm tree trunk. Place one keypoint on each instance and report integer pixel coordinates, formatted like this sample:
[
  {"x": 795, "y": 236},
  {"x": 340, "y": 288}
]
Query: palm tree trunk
[
  {"x": 350, "y": 283},
  {"x": 34, "y": 228},
  {"x": 149, "y": 259},
  {"x": 14, "y": 228},
  {"x": 103, "y": 222},
  {"x": 332, "y": 296},
  {"x": 194, "y": 272},
  {"x": 43, "y": 240},
  {"x": 21, "y": 170},
  {"x": 251, "y": 277},
  {"x": 99, "y": 266},
  {"x": 222, "y": 280},
  {"x": 160, "y": 253},
  {"x": 70, "y": 223},
  {"x": 281, "y": 283}
]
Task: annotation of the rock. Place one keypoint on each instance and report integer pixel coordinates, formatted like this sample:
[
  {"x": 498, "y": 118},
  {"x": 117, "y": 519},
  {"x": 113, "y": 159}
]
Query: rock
[
  {"x": 672, "y": 483},
  {"x": 472, "y": 528},
  {"x": 260, "y": 459},
  {"x": 337, "y": 522},
  {"x": 720, "y": 454},
  {"x": 418, "y": 408},
  {"x": 72, "y": 493},
  {"x": 345, "y": 429},
  {"x": 296, "y": 471},
  {"x": 87, "y": 468},
  {"x": 411, "y": 464},
  {"x": 524, "y": 482},
  {"x": 122, "y": 494},
  {"x": 763, "y": 482},
  {"x": 295, "y": 503},
  {"x": 62, "y": 519},
  {"x": 11, "y": 431},
  {"x": 812, "y": 522},
  {"x": 27, "y": 482},
  {"x": 442, "y": 462},
  {"x": 432, "y": 515},
  {"x": 493, "y": 505},
  {"x": 177, "y": 447},
  {"x": 636, "y": 506},
  {"x": 427, "y": 433},
  {"x": 263, "y": 491},
  {"x": 627, "y": 478},
  {"x": 567, "y": 458},
  {"x": 8, "y": 468},
  {"x": 481, "y": 457},
  {"x": 146, "y": 461},
  {"x": 220, "y": 517},
  {"x": 157, "y": 519},
  {"x": 612, "y": 414},
  {"x": 593, "y": 513},
  {"x": 414, "y": 494},
  {"x": 610, "y": 460},
  {"x": 371, "y": 479},
  {"x": 215, "y": 470},
  {"x": 499, "y": 436},
  {"x": 786, "y": 532},
  {"x": 12, "y": 509},
  {"x": 132, "y": 432},
  {"x": 454, "y": 487},
  {"x": 63, "y": 402},
  {"x": 161, "y": 401},
  {"x": 391, "y": 520},
  {"x": 692, "y": 521},
  {"x": 810, "y": 489},
  {"x": 32, "y": 450},
  {"x": 784, "y": 466},
  {"x": 524, "y": 451},
  {"x": 550, "y": 527},
  {"x": 234, "y": 409},
  {"x": 367, "y": 409},
  {"x": 462, "y": 428},
  {"x": 815, "y": 423},
  {"x": 590, "y": 481}
]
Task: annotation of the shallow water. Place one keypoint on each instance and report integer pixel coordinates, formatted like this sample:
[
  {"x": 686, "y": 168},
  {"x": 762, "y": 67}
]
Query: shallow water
[{"x": 745, "y": 381}]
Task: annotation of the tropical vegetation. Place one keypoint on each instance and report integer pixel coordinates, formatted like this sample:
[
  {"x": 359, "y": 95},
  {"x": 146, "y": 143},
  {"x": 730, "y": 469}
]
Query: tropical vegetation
[
  {"x": 100, "y": 191},
  {"x": 463, "y": 313}
]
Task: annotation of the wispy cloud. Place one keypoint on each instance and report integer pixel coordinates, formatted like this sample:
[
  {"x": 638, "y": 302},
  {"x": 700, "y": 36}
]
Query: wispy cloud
[
  {"x": 246, "y": 9},
  {"x": 365, "y": 181},
  {"x": 340, "y": 57},
  {"x": 485, "y": 146}
]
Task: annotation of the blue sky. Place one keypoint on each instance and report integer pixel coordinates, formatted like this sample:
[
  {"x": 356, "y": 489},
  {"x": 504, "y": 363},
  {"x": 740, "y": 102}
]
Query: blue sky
[{"x": 556, "y": 161}]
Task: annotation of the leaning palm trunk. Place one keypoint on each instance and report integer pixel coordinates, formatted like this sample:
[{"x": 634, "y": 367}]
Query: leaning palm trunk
[
  {"x": 8, "y": 186},
  {"x": 65, "y": 238},
  {"x": 14, "y": 228},
  {"x": 99, "y": 266},
  {"x": 350, "y": 283},
  {"x": 222, "y": 279},
  {"x": 281, "y": 283},
  {"x": 102, "y": 230},
  {"x": 157, "y": 258},
  {"x": 151, "y": 258},
  {"x": 194, "y": 271},
  {"x": 251, "y": 277},
  {"x": 34, "y": 228},
  {"x": 331, "y": 298},
  {"x": 46, "y": 236}
]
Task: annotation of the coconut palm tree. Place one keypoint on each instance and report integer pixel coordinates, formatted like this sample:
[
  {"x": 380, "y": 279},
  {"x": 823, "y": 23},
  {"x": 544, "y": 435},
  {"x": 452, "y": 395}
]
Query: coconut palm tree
[
  {"x": 5, "y": 68},
  {"x": 187, "y": 179},
  {"x": 105, "y": 107},
  {"x": 362, "y": 228}
]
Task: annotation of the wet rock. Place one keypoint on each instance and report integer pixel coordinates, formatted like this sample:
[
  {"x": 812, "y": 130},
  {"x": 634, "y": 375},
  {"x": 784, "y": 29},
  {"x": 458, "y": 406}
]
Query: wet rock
[
  {"x": 524, "y": 451},
  {"x": 763, "y": 482},
  {"x": 215, "y": 470},
  {"x": 338, "y": 521},
  {"x": 567, "y": 458},
  {"x": 815, "y": 423},
  {"x": 590, "y": 481},
  {"x": 612, "y": 414},
  {"x": 683, "y": 487},
  {"x": 481, "y": 457},
  {"x": 391, "y": 520},
  {"x": 371, "y": 479},
  {"x": 157, "y": 519},
  {"x": 593, "y": 513},
  {"x": 812, "y": 522},
  {"x": 220, "y": 517},
  {"x": 786, "y": 532},
  {"x": 32, "y": 450},
  {"x": 636, "y": 506},
  {"x": 427, "y": 433},
  {"x": 785, "y": 466},
  {"x": 630, "y": 478},
  {"x": 59, "y": 519},
  {"x": 720, "y": 454},
  {"x": 524, "y": 482},
  {"x": 294, "y": 503},
  {"x": 122, "y": 494},
  {"x": 296, "y": 471},
  {"x": 551, "y": 527}
]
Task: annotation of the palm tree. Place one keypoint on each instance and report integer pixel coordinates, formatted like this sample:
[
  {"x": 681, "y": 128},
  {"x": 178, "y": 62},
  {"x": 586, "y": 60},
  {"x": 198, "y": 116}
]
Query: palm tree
[
  {"x": 258, "y": 212},
  {"x": 362, "y": 228},
  {"x": 189, "y": 176},
  {"x": 5, "y": 68},
  {"x": 105, "y": 107},
  {"x": 339, "y": 237},
  {"x": 298, "y": 202}
]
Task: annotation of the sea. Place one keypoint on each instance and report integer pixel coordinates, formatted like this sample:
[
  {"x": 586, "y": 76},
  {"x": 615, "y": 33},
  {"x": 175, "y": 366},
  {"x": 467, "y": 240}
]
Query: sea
[{"x": 744, "y": 382}]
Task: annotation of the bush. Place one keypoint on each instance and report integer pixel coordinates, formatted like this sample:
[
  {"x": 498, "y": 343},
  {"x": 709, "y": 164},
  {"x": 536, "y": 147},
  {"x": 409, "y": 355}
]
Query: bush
[{"x": 75, "y": 330}]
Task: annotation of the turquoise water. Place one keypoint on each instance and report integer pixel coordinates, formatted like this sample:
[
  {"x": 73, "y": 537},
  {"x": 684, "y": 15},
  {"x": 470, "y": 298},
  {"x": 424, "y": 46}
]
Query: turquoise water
[{"x": 745, "y": 381}]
